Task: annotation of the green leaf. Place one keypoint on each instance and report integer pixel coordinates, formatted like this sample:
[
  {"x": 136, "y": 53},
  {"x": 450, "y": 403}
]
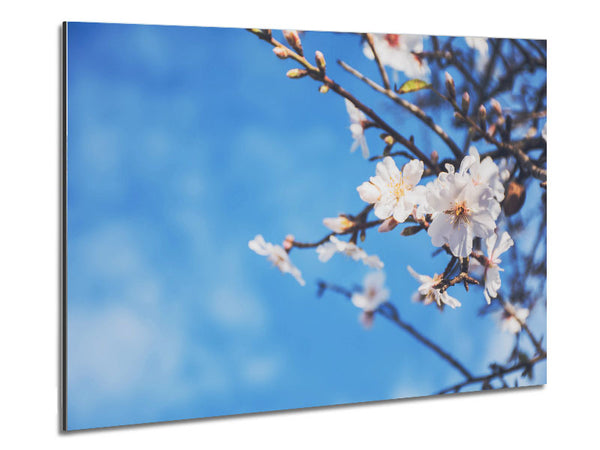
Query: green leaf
[{"x": 412, "y": 86}]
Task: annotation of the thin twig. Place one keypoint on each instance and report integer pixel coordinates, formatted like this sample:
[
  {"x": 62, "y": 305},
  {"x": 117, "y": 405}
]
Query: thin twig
[
  {"x": 412, "y": 108},
  {"x": 451, "y": 59},
  {"x": 524, "y": 160},
  {"x": 523, "y": 325},
  {"x": 389, "y": 311},
  {"x": 499, "y": 372},
  {"x": 320, "y": 75},
  {"x": 384, "y": 75},
  {"x": 360, "y": 224}
]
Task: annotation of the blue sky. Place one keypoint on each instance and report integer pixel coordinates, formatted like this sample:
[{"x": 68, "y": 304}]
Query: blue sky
[{"x": 183, "y": 144}]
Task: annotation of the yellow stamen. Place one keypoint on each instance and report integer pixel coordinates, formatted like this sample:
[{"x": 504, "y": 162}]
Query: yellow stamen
[
  {"x": 459, "y": 212},
  {"x": 399, "y": 189}
]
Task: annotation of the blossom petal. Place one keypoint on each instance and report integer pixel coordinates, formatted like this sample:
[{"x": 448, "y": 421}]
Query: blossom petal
[
  {"x": 483, "y": 223},
  {"x": 504, "y": 244},
  {"x": 295, "y": 272},
  {"x": 439, "y": 228},
  {"x": 364, "y": 147},
  {"x": 356, "y": 115},
  {"x": 374, "y": 280},
  {"x": 373, "y": 261},
  {"x": 420, "y": 278},
  {"x": 466, "y": 163},
  {"x": 487, "y": 296},
  {"x": 490, "y": 243},
  {"x": 402, "y": 210},
  {"x": 492, "y": 281},
  {"x": 460, "y": 240},
  {"x": 450, "y": 301},
  {"x": 259, "y": 245},
  {"x": 384, "y": 207},
  {"x": 360, "y": 300},
  {"x": 368, "y": 192},
  {"x": 326, "y": 251},
  {"x": 412, "y": 172},
  {"x": 388, "y": 167}
]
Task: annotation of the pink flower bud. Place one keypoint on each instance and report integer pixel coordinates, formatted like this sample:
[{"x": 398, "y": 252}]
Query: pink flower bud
[
  {"x": 482, "y": 113},
  {"x": 281, "y": 52},
  {"x": 366, "y": 319},
  {"x": 296, "y": 73},
  {"x": 496, "y": 106},
  {"x": 388, "y": 225},
  {"x": 320, "y": 59},
  {"x": 450, "y": 86},
  {"x": 293, "y": 39},
  {"x": 338, "y": 224},
  {"x": 466, "y": 100},
  {"x": 288, "y": 242}
]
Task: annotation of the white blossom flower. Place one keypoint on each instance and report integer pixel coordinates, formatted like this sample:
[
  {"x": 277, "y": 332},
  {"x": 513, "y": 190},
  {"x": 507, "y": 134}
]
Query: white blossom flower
[
  {"x": 504, "y": 168},
  {"x": 485, "y": 173},
  {"x": 396, "y": 51},
  {"x": 394, "y": 193},
  {"x": 421, "y": 194},
  {"x": 511, "y": 318},
  {"x": 427, "y": 294},
  {"x": 491, "y": 275},
  {"x": 374, "y": 292},
  {"x": 482, "y": 48},
  {"x": 338, "y": 224},
  {"x": 357, "y": 121},
  {"x": 460, "y": 210},
  {"x": 277, "y": 255},
  {"x": 334, "y": 245},
  {"x": 545, "y": 132}
]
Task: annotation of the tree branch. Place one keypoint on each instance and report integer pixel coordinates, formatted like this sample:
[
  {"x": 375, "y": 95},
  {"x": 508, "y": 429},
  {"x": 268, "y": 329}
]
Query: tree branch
[
  {"x": 499, "y": 372},
  {"x": 384, "y": 75},
  {"x": 319, "y": 75},
  {"x": 524, "y": 160},
  {"x": 389, "y": 311},
  {"x": 413, "y": 109}
]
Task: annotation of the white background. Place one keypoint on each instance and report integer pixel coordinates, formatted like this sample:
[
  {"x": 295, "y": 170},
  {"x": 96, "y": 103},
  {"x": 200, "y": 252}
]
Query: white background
[{"x": 563, "y": 413}]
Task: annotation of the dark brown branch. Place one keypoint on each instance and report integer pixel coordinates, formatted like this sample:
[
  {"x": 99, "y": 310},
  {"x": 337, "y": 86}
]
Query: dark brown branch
[
  {"x": 524, "y": 160},
  {"x": 360, "y": 224},
  {"x": 450, "y": 59},
  {"x": 539, "y": 51},
  {"x": 384, "y": 75},
  {"x": 510, "y": 310},
  {"x": 382, "y": 124},
  {"x": 462, "y": 277},
  {"x": 499, "y": 373},
  {"x": 390, "y": 312},
  {"x": 320, "y": 75},
  {"x": 400, "y": 153},
  {"x": 413, "y": 109}
]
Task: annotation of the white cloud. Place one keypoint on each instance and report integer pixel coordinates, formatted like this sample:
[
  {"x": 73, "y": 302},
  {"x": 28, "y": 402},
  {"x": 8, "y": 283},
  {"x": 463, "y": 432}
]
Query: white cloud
[
  {"x": 134, "y": 350},
  {"x": 114, "y": 349},
  {"x": 261, "y": 370},
  {"x": 237, "y": 308},
  {"x": 412, "y": 384}
]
